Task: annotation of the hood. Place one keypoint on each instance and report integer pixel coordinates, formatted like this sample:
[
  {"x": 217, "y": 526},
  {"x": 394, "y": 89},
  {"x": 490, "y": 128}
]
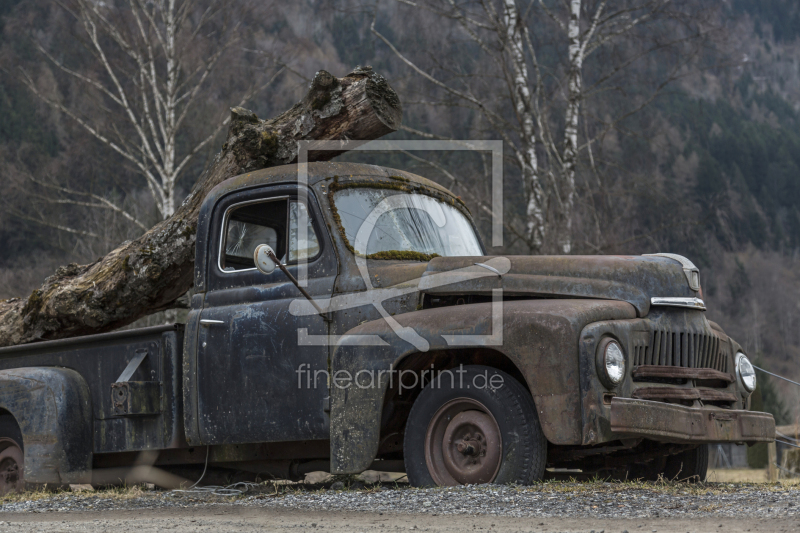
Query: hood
[{"x": 632, "y": 279}]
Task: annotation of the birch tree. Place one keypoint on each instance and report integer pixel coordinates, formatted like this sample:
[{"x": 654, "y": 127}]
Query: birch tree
[
  {"x": 536, "y": 108},
  {"x": 149, "y": 71}
]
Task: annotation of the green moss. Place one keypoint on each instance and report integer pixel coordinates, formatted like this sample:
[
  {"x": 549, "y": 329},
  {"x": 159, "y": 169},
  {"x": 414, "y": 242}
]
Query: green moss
[
  {"x": 34, "y": 300},
  {"x": 450, "y": 199},
  {"x": 188, "y": 231},
  {"x": 320, "y": 101},
  {"x": 377, "y": 184},
  {"x": 269, "y": 143},
  {"x": 125, "y": 265},
  {"x": 402, "y": 255}
]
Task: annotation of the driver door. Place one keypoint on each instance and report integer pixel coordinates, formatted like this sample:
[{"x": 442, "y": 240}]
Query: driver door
[{"x": 253, "y": 378}]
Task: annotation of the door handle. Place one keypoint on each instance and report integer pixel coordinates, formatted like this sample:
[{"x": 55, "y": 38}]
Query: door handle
[{"x": 209, "y": 322}]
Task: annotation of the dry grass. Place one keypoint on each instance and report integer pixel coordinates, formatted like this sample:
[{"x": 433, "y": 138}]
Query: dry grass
[{"x": 43, "y": 493}]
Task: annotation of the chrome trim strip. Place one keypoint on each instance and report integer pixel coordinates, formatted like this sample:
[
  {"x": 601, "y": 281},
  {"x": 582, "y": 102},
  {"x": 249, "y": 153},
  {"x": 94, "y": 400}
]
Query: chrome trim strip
[
  {"x": 210, "y": 322},
  {"x": 691, "y": 303},
  {"x": 492, "y": 269}
]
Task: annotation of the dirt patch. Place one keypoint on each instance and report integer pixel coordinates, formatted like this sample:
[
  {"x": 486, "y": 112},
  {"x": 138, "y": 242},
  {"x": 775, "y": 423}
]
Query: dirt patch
[{"x": 738, "y": 475}]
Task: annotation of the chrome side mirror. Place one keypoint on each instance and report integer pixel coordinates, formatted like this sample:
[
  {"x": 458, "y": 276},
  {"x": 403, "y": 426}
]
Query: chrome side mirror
[{"x": 264, "y": 263}]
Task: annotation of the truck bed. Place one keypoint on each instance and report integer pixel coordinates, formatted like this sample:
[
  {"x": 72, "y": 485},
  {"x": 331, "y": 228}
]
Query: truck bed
[{"x": 101, "y": 360}]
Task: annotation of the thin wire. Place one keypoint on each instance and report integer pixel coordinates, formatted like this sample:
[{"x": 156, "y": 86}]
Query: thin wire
[
  {"x": 204, "y": 469},
  {"x": 786, "y": 470},
  {"x": 201, "y": 476},
  {"x": 786, "y": 436},
  {"x": 218, "y": 490},
  {"x": 787, "y": 443},
  {"x": 776, "y": 375}
]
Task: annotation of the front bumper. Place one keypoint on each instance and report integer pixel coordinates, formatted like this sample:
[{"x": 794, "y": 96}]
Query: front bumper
[{"x": 676, "y": 423}]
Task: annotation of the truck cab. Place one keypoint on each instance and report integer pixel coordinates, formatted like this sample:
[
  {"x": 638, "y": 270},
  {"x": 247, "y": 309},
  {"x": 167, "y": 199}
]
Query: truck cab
[{"x": 349, "y": 317}]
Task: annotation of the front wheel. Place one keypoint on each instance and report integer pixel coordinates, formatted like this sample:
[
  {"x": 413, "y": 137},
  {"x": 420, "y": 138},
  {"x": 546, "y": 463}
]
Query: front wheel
[{"x": 474, "y": 425}]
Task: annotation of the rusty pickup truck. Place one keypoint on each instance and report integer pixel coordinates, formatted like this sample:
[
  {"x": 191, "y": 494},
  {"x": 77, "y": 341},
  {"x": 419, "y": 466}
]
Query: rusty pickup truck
[{"x": 354, "y": 320}]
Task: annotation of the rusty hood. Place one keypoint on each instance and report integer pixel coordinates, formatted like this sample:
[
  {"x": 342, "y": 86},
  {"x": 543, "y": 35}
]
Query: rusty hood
[{"x": 633, "y": 279}]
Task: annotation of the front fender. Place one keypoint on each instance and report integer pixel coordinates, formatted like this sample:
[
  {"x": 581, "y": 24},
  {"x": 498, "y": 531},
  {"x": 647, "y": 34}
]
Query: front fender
[
  {"x": 541, "y": 337},
  {"x": 53, "y": 409}
]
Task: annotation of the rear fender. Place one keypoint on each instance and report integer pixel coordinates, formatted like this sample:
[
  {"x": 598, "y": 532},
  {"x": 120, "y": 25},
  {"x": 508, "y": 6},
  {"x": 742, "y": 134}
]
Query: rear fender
[
  {"x": 52, "y": 407},
  {"x": 540, "y": 337}
]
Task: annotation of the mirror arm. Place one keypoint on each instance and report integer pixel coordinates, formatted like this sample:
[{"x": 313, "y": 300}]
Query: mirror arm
[{"x": 325, "y": 315}]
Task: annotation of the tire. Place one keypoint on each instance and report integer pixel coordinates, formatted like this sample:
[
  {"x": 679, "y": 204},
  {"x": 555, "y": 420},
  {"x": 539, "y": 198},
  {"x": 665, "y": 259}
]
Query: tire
[
  {"x": 462, "y": 431},
  {"x": 12, "y": 456},
  {"x": 691, "y": 465}
]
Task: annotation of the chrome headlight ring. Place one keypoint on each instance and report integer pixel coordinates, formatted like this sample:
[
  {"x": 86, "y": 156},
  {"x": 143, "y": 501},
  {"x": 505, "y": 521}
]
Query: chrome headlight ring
[
  {"x": 610, "y": 362},
  {"x": 745, "y": 373}
]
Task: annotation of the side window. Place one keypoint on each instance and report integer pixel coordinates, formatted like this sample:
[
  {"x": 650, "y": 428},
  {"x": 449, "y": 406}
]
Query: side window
[{"x": 272, "y": 222}]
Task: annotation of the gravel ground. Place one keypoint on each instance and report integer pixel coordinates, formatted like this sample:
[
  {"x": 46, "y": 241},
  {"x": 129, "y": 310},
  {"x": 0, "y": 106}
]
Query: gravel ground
[
  {"x": 564, "y": 500},
  {"x": 547, "y": 500}
]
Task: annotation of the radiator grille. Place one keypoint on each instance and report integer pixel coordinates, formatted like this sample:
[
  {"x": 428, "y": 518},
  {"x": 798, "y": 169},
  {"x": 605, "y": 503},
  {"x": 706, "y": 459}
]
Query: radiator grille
[{"x": 665, "y": 347}]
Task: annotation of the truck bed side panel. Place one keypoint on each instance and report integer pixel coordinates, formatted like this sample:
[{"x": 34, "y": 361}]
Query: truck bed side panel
[{"x": 100, "y": 360}]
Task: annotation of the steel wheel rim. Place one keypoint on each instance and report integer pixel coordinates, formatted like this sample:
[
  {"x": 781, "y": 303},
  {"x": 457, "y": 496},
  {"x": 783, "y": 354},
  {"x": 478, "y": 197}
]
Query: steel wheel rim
[
  {"x": 463, "y": 444},
  {"x": 12, "y": 466}
]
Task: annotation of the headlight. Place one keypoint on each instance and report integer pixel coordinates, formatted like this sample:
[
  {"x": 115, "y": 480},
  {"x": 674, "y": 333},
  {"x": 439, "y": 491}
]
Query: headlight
[
  {"x": 610, "y": 362},
  {"x": 745, "y": 372}
]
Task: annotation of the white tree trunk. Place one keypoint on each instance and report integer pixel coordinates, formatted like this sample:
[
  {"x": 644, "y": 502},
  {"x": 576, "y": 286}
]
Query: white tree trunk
[
  {"x": 526, "y": 156},
  {"x": 170, "y": 176},
  {"x": 570, "y": 154}
]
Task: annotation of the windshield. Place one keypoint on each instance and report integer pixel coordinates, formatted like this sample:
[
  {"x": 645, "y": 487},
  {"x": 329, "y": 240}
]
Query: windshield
[{"x": 380, "y": 220}]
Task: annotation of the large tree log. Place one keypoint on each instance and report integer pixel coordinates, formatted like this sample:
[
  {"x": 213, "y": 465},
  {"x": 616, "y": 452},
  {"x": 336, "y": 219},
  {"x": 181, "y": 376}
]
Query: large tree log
[{"x": 151, "y": 272}]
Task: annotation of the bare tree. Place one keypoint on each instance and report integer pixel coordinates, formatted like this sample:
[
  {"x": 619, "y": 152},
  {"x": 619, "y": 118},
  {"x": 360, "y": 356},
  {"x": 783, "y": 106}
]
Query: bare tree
[
  {"x": 152, "y": 61},
  {"x": 536, "y": 108}
]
